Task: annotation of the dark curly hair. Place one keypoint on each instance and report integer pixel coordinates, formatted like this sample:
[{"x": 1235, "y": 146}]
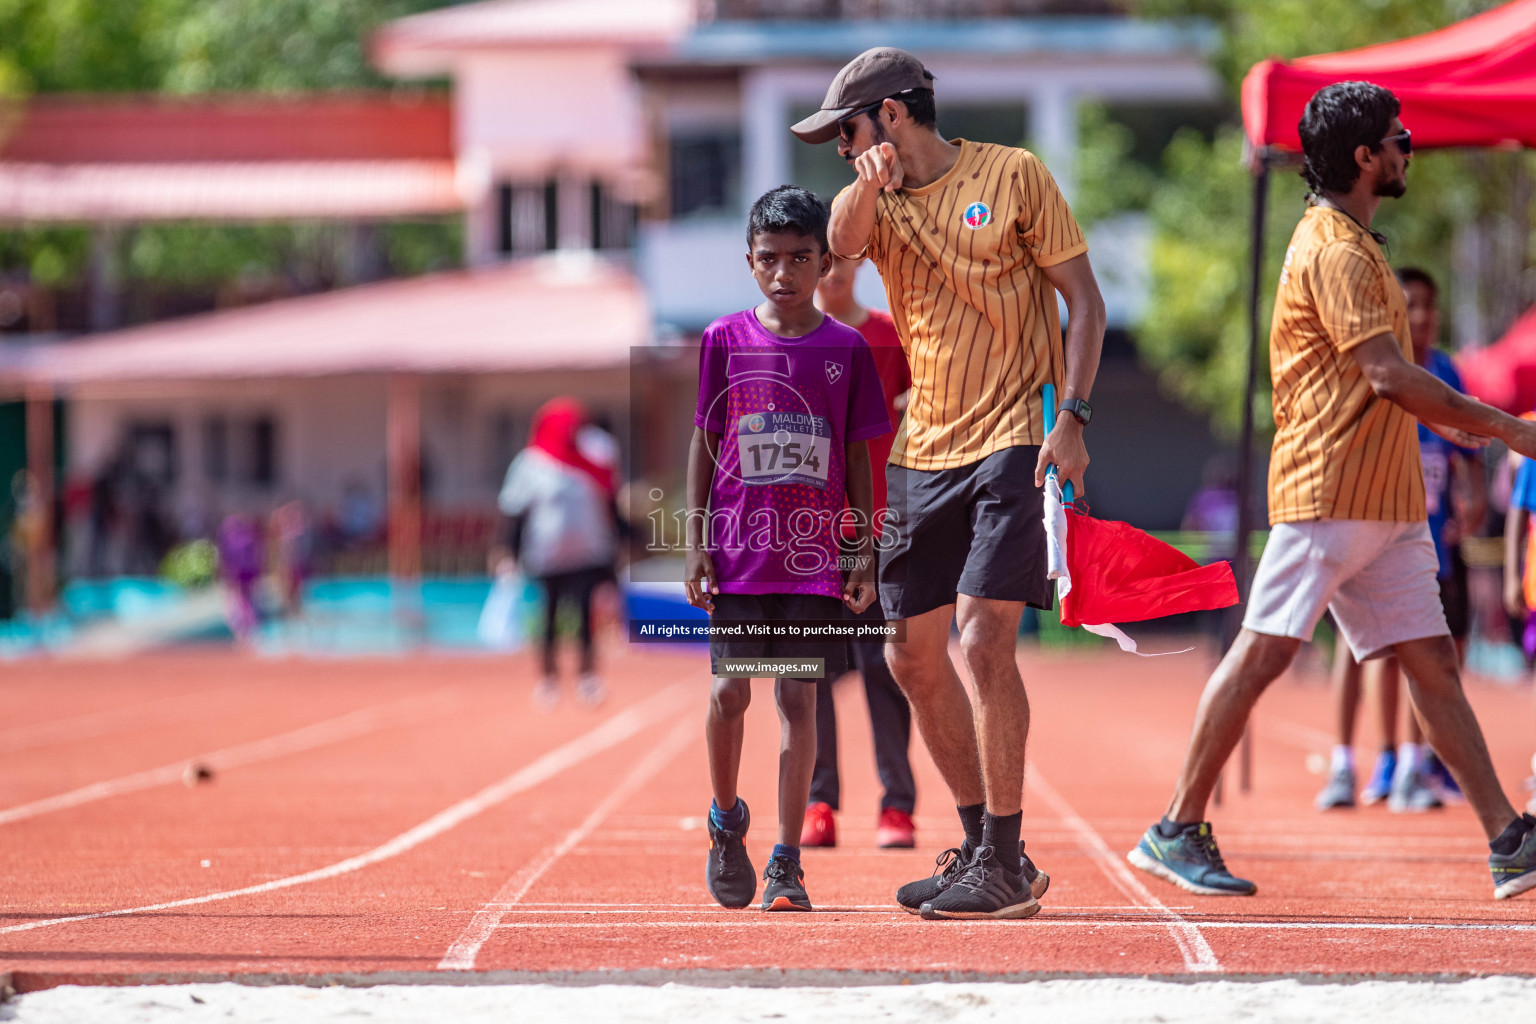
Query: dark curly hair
[
  {"x": 1339, "y": 118},
  {"x": 788, "y": 208}
]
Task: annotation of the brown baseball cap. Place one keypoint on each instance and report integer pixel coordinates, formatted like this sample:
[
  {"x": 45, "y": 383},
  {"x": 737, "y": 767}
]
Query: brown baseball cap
[{"x": 868, "y": 78}]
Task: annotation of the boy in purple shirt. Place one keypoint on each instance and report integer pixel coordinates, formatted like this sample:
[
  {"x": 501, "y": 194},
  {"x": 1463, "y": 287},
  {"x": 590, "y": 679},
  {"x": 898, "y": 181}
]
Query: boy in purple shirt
[{"x": 788, "y": 398}]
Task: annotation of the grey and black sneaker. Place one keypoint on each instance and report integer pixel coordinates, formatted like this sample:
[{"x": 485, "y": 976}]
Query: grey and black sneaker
[
  {"x": 1339, "y": 792},
  {"x": 1190, "y": 860},
  {"x": 1515, "y": 873},
  {"x": 949, "y": 865},
  {"x": 1411, "y": 793},
  {"x": 732, "y": 882},
  {"x": 986, "y": 890},
  {"x": 784, "y": 885}
]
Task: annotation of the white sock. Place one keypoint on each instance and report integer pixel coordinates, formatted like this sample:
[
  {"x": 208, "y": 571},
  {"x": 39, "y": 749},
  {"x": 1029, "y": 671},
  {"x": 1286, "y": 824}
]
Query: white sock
[
  {"x": 1407, "y": 757},
  {"x": 1343, "y": 759}
]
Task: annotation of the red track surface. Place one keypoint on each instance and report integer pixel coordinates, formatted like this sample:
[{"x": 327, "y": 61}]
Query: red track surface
[{"x": 589, "y": 857}]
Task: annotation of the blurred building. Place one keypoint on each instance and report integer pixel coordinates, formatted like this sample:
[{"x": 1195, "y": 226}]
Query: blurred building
[{"x": 602, "y": 154}]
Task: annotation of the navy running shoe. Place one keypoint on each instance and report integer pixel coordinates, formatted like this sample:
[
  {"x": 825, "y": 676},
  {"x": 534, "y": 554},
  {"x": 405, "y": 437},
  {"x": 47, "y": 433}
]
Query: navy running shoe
[
  {"x": 987, "y": 890},
  {"x": 1441, "y": 782},
  {"x": 1515, "y": 873},
  {"x": 1190, "y": 860},
  {"x": 728, "y": 872},
  {"x": 784, "y": 885}
]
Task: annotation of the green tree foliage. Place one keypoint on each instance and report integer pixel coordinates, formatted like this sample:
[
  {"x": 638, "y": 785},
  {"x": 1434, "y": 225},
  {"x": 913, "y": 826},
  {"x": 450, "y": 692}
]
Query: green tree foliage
[
  {"x": 189, "y": 47},
  {"x": 272, "y": 45},
  {"x": 1196, "y": 331}
]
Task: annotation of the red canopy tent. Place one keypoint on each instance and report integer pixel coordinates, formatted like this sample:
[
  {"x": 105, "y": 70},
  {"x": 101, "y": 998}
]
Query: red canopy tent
[
  {"x": 1504, "y": 373},
  {"x": 1470, "y": 84}
]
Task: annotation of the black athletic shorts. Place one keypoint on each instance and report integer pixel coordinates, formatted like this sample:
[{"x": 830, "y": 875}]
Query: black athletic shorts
[
  {"x": 776, "y": 608},
  {"x": 977, "y": 530},
  {"x": 1453, "y": 597}
]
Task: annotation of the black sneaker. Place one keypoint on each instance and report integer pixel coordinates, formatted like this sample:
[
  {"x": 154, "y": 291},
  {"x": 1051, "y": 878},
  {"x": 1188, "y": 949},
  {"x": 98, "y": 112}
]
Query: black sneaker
[
  {"x": 728, "y": 872},
  {"x": 1038, "y": 880},
  {"x": 950, "y": 865},
  {"x": 985, "y": 890},
  {"x": 784, "y": 887},
  {"x": 1515, "y": 873}
]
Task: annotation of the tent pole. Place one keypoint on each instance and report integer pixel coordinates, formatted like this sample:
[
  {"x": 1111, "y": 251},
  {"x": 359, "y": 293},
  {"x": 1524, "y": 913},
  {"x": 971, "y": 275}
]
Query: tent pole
[{"x": 1243, "y": 560}]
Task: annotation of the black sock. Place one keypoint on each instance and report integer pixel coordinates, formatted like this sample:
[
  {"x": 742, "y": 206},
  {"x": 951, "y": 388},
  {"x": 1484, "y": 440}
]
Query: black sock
[
  {"x": 970, "y": 820},
  {"x": 1168, "y": 829},
  {"x": 1508, "y": 841},
  {"x": 1001, "y": 832}
]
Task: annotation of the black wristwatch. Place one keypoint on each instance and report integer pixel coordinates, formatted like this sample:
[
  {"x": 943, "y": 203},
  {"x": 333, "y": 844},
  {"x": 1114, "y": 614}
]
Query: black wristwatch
[{"x": 1079, "y": 408}]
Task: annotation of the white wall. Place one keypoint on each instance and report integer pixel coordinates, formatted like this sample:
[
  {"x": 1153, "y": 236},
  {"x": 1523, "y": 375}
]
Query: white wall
[{"x": 331, "y": 430}]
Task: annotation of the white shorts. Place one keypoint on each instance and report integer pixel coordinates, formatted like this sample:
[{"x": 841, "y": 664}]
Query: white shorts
[{"x": 1377, "y": 578}]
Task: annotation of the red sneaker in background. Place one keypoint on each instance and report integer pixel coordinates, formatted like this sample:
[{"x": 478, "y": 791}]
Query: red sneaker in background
[
  {"x": 820, "y": 828},
  {"x": 895, "y": 831}
]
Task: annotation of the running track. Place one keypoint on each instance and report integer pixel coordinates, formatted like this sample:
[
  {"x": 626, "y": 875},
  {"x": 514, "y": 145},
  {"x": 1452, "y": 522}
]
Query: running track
[{"x": 414, "y": 819}]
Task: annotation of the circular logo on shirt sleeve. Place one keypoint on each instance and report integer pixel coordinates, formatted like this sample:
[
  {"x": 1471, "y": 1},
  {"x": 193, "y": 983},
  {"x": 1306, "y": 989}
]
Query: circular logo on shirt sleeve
[{"x": 977, "y": 215}]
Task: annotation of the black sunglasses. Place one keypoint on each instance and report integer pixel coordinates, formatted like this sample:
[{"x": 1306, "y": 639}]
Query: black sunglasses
[
  {"x": 845, "y": 128},
  {"x": 1404, "y": 140}
]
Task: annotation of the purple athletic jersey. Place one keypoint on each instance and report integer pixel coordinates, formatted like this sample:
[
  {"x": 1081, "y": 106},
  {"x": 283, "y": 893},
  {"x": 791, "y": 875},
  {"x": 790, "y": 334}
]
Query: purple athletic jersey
[{"x": 784, "y": 408}]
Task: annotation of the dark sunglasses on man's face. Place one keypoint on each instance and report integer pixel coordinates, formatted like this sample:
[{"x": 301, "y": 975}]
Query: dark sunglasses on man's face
[
  {"x": 846, "y": 128},
  {"x": 1404, "y": 140}
]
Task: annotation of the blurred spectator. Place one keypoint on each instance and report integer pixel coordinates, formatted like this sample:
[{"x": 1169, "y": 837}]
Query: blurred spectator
[
  {"x": 362, "y": 515},
  {"x": 240, "y": 564},
  {"x": 293, "y": 536},
  {"x": 1214, "y": 508},
  {"x": 562, "y": 528}
]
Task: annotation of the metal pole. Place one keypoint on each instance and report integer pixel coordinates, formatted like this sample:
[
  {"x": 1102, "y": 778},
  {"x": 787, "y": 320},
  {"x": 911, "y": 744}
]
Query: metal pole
[{"x": 1242, "y": 561}]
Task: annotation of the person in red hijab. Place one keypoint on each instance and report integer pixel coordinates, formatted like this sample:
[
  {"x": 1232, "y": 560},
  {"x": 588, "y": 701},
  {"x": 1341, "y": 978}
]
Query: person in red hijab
[{"x": 562, "y": 529}]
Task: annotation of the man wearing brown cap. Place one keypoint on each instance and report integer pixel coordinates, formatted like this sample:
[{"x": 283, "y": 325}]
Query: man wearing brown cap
[{"x": 973, "y": 242}]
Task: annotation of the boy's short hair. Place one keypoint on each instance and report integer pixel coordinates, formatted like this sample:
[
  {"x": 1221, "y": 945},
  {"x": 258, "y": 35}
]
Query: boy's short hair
[
  {"x": 789, "y": 208},
  {"x": 1417, "y": 275}
]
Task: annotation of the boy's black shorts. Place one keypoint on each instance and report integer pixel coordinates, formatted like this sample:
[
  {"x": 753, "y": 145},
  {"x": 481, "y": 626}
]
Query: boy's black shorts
[
  {"x": 1453, "y": 596},
  {"x": 777, "y": 608},
  {"x": 977, "y": 530}
]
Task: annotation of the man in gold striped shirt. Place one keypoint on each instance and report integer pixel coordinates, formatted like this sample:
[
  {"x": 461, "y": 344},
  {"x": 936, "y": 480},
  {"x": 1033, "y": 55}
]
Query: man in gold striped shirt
[
  {"x": 973, "y": 242},
  {"x": 1346, "y": 497}
]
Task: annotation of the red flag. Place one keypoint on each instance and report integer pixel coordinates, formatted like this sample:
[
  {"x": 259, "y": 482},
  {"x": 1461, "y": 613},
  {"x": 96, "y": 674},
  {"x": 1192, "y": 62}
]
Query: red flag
[{"x": 1120, "y": 574}]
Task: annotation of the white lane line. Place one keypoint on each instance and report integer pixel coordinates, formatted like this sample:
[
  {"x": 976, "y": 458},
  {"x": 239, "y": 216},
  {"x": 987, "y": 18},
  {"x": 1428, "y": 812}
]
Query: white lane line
[
  {"x": 109, "y": 720},
  {"x": 461, "y": 955},
  {"x": 611, "y": 732},
  {"x": 651, "y": 909},
  {"x": 333, "y": 730},
  {"x": 758, "y": 919},
  {"x": 1303, "y": 736},
  {"x": 1197, "y": 953}
]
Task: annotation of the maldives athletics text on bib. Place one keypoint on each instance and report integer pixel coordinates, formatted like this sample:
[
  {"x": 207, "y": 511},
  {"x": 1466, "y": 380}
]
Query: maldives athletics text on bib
[{"x": 784, "y": 448}]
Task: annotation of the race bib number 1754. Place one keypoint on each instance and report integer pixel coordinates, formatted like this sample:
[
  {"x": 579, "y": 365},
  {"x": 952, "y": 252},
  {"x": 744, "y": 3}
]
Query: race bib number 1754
[{"x": 784, "y": 448}]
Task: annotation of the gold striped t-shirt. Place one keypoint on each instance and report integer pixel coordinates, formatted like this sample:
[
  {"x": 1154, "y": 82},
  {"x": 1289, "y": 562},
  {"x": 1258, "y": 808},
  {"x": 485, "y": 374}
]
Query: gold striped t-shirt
[
  {"x": 961, "y": 261},
  {"x": 1340, "y": 452}
]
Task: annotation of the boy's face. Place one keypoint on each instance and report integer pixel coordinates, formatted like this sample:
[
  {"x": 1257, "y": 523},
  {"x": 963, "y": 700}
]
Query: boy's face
[{"x": 787, "y": 266}]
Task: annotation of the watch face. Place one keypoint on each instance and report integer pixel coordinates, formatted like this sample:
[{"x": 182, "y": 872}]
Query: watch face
[{"x": 1078, "y": 408}]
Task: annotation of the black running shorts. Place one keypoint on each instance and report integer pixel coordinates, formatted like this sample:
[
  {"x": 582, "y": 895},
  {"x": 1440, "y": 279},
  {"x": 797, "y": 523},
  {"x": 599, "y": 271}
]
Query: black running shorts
[
  {"x": 734, "y": 608},
  {"x": 977, "y": 530}
]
